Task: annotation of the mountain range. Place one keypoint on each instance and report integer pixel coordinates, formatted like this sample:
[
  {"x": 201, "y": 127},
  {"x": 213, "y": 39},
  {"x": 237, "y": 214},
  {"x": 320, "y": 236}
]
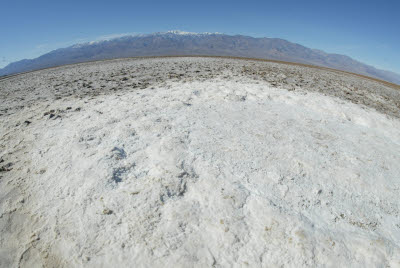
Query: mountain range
[{"x": 184, "y": 43}]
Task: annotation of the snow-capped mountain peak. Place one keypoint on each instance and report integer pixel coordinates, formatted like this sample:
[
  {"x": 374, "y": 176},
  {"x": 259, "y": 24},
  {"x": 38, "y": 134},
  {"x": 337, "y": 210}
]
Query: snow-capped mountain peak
[
  {"x": 179, "y": 32},
  {"x": 131, "y": 35}
]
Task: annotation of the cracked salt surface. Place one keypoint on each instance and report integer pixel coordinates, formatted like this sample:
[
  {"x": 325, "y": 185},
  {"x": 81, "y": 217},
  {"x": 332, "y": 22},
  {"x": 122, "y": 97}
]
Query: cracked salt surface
[{"x": 206, "y": 173}]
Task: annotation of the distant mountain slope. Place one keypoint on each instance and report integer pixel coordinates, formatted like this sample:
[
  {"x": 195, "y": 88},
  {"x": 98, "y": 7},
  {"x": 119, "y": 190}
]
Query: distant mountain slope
[{"x": 182, "y": 43}]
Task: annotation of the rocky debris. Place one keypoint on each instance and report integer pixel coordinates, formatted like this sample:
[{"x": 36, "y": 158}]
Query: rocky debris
[
  {"x": 49, "y": 113},
  {"x": 7, "y": 167},
  {"x": 56, "y": 114},
  {"x": 107, "y": 211},
  {"x": 91, "y": 79}
]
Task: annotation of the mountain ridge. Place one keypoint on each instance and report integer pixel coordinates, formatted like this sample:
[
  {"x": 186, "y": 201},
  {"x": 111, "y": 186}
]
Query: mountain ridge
[{"x": 188, "y": 43}]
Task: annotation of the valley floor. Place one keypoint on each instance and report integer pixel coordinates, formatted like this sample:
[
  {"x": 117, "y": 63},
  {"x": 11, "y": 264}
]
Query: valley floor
[{"x": 198, "y": 162}]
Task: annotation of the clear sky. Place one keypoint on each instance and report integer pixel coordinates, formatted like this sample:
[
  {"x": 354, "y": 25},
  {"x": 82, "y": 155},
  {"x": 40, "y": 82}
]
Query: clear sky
[{"x": 368, "y": 31}]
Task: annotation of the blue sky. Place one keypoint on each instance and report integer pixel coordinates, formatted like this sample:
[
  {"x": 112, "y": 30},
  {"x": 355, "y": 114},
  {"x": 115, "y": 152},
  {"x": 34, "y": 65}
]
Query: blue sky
[{"x": 368, "y": 31}]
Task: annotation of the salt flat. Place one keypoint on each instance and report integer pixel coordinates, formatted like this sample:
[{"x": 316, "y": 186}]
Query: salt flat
[{"x": 198, "y": 162}]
